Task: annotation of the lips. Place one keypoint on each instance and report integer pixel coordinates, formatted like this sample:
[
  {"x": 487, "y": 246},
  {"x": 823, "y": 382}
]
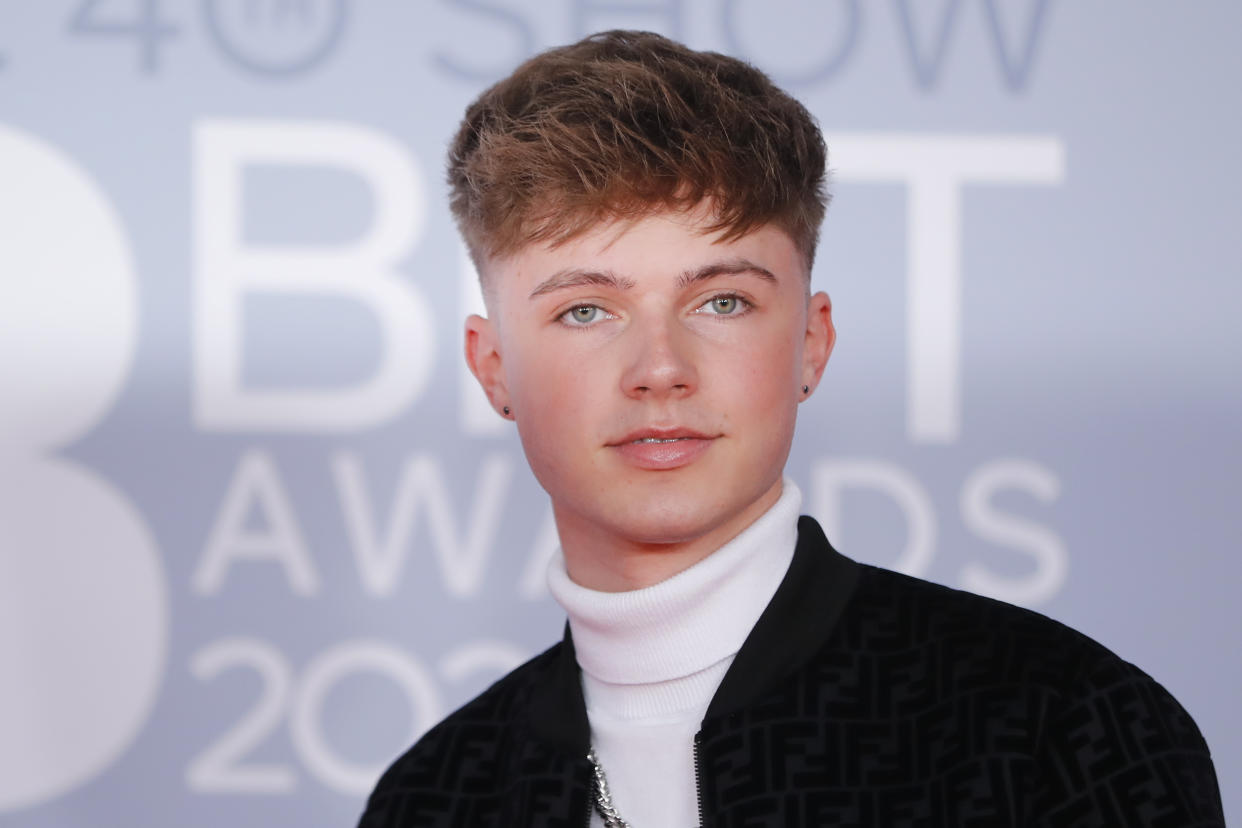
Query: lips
[{"x": 663, "y": 449}]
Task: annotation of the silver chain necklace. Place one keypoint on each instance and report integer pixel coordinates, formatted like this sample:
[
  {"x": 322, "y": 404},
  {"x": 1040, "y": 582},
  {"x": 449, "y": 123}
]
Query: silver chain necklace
[{"x": 603, "y": 799}]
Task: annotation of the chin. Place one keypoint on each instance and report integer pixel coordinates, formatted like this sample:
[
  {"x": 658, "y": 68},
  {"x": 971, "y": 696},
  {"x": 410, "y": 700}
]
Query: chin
[
  {"x": 671, "y": 516},
  {"x": 657, "y": 507},
  {"x": 661, "y": 530}
]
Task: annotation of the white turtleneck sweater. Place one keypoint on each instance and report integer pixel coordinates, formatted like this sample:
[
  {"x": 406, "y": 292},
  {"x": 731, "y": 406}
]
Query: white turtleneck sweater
[{"x": 652, "y": 659}]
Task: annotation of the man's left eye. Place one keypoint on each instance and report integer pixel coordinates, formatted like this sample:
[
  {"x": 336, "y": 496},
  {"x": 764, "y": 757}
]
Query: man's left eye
[
  {"x": 582, "y": 314},
  {"x": 724, "y": 305}
]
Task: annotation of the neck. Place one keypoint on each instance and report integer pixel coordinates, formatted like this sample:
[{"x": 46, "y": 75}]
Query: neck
[
  {"x": 603, "y": 560},
  {"x": 677, "y": 628}
]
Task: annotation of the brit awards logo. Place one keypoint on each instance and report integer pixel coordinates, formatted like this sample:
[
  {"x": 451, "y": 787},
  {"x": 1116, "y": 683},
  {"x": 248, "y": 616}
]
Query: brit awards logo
[{"x": 83, "y": 596}]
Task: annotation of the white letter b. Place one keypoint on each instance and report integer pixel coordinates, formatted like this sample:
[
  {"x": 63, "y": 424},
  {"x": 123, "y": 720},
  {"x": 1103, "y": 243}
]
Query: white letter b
[{"x": 227, "y": 268}]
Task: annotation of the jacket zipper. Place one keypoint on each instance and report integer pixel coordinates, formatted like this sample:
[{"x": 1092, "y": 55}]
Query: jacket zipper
[
  {"x": 590, "y": 809},
  {"x": 698, "y": 785},
  {"x": 698, "y": 774}
]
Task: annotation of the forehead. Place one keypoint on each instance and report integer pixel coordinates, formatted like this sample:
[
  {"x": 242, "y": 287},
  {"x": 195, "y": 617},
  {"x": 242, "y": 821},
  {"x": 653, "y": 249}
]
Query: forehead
[{"x": 656, "y": 250}]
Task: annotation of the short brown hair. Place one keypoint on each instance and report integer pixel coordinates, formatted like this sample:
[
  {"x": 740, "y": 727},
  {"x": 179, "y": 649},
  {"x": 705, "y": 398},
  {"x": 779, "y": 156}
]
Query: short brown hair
[{"x": 623, "y": 123}]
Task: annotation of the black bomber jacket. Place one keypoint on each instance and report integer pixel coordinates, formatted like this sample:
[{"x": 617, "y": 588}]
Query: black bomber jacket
[{"x": 861, "y": 697}]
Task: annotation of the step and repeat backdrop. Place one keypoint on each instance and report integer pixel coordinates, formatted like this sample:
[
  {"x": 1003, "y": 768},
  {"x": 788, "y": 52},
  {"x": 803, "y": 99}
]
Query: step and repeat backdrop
[{"x": 258, "y": 529}]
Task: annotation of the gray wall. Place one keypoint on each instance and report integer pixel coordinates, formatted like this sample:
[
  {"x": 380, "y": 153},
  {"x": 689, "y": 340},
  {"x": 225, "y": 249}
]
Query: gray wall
[{"x": 257, "y": 530}]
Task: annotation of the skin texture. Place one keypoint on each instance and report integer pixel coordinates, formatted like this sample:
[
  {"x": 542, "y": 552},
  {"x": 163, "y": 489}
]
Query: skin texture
[{"x": 651, "y": 328}]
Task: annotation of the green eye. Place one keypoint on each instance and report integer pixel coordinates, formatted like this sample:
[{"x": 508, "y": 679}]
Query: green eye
[
  {"x": 582, "y": 315},
  {"x": 725, "y": 304}
]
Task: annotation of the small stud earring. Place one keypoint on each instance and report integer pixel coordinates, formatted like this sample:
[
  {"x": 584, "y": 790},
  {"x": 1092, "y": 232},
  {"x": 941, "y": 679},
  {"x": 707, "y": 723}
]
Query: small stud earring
[
  {"x": 806, "y": 389},
  {"x": 506, "y": 409}
]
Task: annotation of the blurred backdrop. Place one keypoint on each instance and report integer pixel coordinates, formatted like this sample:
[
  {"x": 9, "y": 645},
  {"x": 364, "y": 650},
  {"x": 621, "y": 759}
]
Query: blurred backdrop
[{"x": 258, "y": 529}]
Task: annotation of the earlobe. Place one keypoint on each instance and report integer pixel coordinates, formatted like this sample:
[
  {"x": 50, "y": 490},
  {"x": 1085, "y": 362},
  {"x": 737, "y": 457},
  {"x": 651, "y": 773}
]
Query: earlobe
[
  {"x": 483, "y": 357},
  {"x": 820, "y": 337}
]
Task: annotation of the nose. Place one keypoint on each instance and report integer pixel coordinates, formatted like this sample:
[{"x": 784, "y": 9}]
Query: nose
[{"x": 661, "y": 361}]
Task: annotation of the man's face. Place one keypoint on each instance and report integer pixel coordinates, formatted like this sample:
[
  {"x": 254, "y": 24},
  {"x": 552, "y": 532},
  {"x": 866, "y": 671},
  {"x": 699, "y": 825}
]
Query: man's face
[{"x": 654, "y": 375}]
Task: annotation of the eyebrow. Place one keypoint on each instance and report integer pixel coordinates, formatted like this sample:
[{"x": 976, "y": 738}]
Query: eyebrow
[
  {"x": 579, "y": 278},
  {"x": 603, "y": 278},
  {"x": 732, "y": 267}
]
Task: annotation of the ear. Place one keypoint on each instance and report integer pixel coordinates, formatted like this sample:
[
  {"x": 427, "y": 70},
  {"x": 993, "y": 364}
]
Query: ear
[
  {"x": 820, "y": 337},
  {"x": 484, "y": 359}
]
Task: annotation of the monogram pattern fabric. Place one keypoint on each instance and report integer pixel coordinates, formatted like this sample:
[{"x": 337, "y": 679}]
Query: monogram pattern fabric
[
  {"x": 928, "y": 707},
  {"x": 481, "y": 767},
  {"x": 893, "y": 702}
]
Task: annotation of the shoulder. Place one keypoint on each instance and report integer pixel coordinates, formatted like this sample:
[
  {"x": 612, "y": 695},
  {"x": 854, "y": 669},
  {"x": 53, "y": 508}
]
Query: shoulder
[
  {"x": 465, "y": 751},
  {"x": 1101, "y": 731},
  {"x": 1011, "y": 643},
  {"x": 984, "y": 640}
]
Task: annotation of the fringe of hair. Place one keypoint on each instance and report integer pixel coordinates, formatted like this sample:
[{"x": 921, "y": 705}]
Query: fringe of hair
[{"x": 623, "y": 124}]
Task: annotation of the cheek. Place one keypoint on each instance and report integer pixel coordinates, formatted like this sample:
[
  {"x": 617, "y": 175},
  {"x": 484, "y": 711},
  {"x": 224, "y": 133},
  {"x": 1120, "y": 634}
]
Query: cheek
[
  {"x": 770, "y": 407},
  {"x": 553, "y": 381},
  {"x": 764, "y": 378},
  {"x": 557, "y": 397}
]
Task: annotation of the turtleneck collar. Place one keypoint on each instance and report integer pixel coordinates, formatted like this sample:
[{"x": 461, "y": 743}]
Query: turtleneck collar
[{"x": 689, "y": 622}]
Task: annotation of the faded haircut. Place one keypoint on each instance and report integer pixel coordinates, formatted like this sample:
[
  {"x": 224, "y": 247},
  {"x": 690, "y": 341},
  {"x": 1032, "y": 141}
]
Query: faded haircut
[{"x": 622, "y": 124}]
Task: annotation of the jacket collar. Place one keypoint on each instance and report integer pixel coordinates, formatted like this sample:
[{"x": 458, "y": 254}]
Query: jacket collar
[{"x": 796, "y": 622}]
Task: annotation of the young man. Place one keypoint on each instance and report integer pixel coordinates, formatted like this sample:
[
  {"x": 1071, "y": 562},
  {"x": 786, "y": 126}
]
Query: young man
[{"x": 643, "y": 218}]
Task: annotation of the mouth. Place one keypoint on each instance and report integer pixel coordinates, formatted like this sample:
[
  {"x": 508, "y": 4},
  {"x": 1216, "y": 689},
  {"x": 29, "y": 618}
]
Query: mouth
[
  {"x": 663, "y": 449},
  {"x": 658, "y": 436}
]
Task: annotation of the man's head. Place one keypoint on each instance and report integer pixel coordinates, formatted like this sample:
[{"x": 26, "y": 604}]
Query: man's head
[
  {"x": 644, "y": 217},
  {"x": 624, "y": 124}
]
